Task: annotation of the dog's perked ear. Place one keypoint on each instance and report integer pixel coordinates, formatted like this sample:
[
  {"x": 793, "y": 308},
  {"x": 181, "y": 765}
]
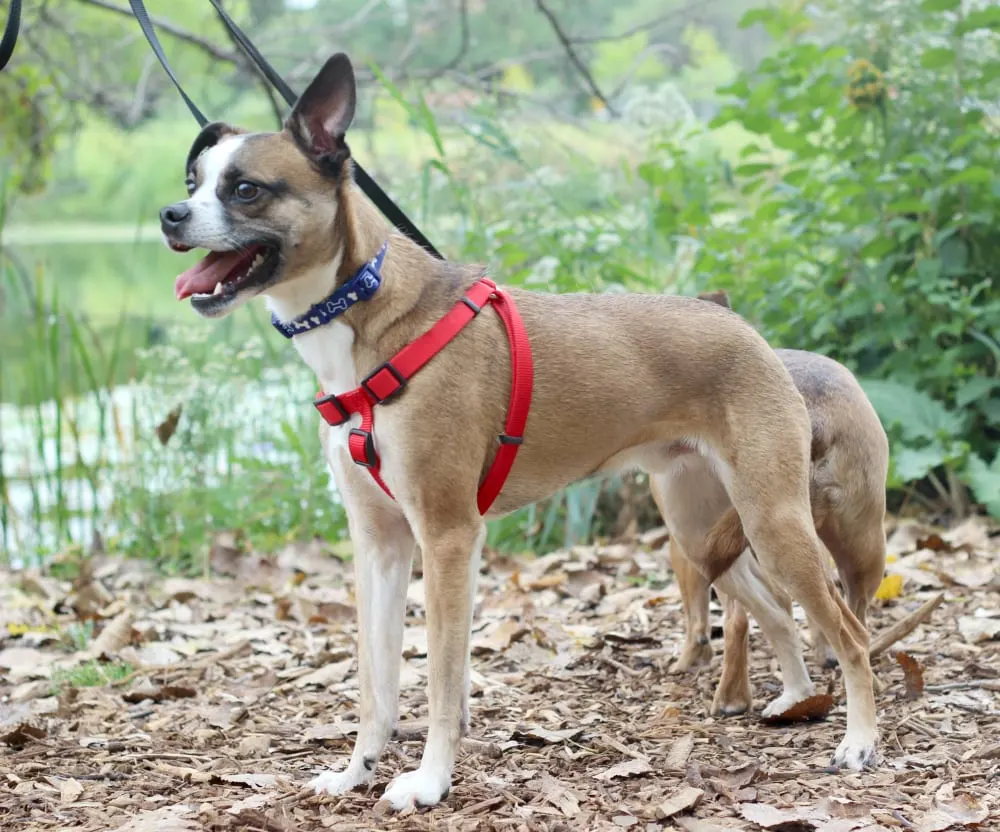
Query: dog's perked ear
[
  {"x": 325, "y": 110},
  {"x": 210, "y": 135},
  {"x": 720, "y": 296}
]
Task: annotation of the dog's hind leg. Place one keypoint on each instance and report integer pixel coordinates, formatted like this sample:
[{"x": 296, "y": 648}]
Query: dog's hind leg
[
  {"x": 451, "y": 555},
  {"x": 773, "y": 502},
  {"x": 734, "y": 695},
  {"x": 695, "y": 591},
  {"x": 383, "y": 558},
  {"x": 744, "y": 582}
]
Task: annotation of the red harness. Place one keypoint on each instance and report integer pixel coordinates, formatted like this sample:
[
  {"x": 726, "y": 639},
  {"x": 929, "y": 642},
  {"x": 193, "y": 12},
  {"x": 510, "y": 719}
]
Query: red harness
[{"x": 389, "y": 380}]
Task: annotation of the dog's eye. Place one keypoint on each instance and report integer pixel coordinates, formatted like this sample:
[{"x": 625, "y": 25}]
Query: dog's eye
[
  {"x": 247, "y": 191},
  {"x": 190, "y": 185}
]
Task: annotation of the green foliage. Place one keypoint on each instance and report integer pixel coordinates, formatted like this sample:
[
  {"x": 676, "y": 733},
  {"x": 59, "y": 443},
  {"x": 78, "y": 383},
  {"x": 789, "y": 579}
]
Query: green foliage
[
  {"x": 863, "y": 223},
  {"x": 245, "y": 453},
  {"x": 89, "y": 675}
]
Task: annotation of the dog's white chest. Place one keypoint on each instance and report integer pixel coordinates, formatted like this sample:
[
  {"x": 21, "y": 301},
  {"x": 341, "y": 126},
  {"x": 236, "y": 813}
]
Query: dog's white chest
[{"x": 329, "y": 353}]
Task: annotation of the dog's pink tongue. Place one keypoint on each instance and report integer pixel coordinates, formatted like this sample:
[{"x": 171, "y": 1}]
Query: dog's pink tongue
[{"x": 201, "y": 278}]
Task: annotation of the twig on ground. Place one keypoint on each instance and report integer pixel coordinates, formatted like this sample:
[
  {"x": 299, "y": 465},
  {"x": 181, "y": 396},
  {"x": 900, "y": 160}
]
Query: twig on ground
[
  {"x": 203, "y": 661},
  {"x": 970, "y": 684},
  {"x": 903, "y": 628}
]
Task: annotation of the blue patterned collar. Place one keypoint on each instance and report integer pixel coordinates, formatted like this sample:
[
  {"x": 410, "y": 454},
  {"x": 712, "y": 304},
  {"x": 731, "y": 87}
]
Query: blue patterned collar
[{"x": 362, "y": 286}]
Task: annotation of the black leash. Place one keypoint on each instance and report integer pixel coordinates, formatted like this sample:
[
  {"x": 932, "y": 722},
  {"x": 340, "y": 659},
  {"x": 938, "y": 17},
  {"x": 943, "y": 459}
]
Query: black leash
[
  {"x": 142, "y": 16},
  {"x": 371, "y": 189},
  {"x": 10, "y": 32},
  {"x": 392, "y": 212}
]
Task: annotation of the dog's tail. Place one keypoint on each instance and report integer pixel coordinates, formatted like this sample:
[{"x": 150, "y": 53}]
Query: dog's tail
[{"x": 727, "y": 540}]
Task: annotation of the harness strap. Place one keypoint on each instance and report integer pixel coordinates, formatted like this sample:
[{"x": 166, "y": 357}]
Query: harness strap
[{"x": 388, "y": 381}]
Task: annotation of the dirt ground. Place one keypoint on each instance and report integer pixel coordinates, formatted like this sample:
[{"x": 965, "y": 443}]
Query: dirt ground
[{"x": 231, "y": 692}]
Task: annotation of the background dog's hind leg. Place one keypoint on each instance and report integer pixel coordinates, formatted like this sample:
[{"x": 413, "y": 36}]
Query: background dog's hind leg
[
  {"x": 745, "y": 583},
  {"x": 695, "y": 595},
  {"x": 734, "y": 695},
  {"x": 383, "y": 559}
]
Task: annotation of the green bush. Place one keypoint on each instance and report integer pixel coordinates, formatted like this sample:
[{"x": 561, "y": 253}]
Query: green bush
[{"x": 864, "y": 222}]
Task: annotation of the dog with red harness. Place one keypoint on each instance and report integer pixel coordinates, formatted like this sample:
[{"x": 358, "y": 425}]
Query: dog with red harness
[{"x": 447, "y": 400}]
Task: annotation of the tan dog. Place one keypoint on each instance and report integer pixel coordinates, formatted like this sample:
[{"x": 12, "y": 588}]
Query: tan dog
[
  {"x": 619, "y": 381},
  {"x": 850, "y": 461}
]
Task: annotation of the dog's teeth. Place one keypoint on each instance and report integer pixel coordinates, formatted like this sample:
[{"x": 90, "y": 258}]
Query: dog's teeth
[
  {"x": 218, "y": 289},
  {"x": 257, "y": 260}
]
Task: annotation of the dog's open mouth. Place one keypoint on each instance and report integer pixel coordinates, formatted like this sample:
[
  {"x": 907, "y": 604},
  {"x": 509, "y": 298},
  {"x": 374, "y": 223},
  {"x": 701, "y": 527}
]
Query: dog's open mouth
[{"x": 215, "y": 281}]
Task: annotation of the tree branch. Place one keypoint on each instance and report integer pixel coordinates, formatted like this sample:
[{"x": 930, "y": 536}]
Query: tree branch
[
  {"x": 649, "y": 24},
  {"x": 172, "y": 29},
  {"x": 571, "y": 52},
  {"x": 463, "y": 46}
]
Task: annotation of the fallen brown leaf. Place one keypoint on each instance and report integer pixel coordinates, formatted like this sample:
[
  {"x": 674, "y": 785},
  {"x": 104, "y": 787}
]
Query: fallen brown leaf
[
  {"x": 159, "y": 693},
  {"x": 679, "y": 752},
  {"x": 632, "y": 767},
  {"x": 116, "y": 634},
  {"x": 951, "y": 810},
  {"x": 169, "y": 819},
  {"x": 799, "y": 819},
  {"x": 70, "y": 791},
  {"x": 808, "y": 710},
  {"x": 254, "y": 781},
  {"x": 18, "y": 726},
  {"x": 166, "y": 428},
  {"x": 686, "y": 797},
  {"x": 326, "y": 675},
  {"x": 913, "y": 675},
  {"x": 542, "y": 736}
]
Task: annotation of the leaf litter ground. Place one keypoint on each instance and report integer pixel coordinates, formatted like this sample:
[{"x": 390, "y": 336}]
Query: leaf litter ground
[{"x": 224, "y": 696}]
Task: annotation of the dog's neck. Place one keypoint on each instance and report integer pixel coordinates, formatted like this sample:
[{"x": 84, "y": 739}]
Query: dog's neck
[{"x": 360, "y": 231}]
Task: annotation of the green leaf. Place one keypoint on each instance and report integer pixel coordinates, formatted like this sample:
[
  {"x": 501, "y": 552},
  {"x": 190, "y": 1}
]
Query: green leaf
[
  {"x": 988, "y": 18},
  {"x": 937, "y": 58},
  {"x": 974, "y": 389},
  {"x": 974, "y": 175},
  {"x": 985, "y": 482},
  {"x": 940, "y": 5},
  {"x": 879, "y": 247},
  {"x": 917, "y": 414},
  {"x": 757, "y": 16},
  {"x": 914, "y": 464},
  {"x": 753, "y": 168},
  {"x": 910, "y": 205}
]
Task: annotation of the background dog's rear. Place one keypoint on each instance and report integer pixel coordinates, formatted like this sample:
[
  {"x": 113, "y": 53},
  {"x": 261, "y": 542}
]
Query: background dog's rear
[{"x": 850, "y": 458}]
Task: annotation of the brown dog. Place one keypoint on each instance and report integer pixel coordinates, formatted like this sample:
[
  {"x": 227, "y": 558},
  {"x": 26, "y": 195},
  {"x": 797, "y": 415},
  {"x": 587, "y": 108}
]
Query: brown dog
[
  {"x": 850, "y": 460},
  {"x": 619, "y": 381}
]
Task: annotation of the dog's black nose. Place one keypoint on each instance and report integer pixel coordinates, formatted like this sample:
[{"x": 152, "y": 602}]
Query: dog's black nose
[{"x": 174, "y": 215}]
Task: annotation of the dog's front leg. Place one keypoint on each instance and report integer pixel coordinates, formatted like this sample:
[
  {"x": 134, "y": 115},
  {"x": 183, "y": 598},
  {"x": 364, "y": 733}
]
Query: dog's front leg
[
  {"x": 383, "y": 558},
  {"x": 451, "y": 562}
]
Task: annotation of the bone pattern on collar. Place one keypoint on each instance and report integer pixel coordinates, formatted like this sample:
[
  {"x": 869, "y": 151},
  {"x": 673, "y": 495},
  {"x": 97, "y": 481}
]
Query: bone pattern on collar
[{"x": 362, "y": 286}]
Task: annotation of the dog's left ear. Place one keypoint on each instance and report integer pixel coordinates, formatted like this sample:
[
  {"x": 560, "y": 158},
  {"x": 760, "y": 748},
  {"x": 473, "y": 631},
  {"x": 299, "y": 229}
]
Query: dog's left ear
[
  {"x": 719, "y": 296},
  {"x": 325, "y": 110}
]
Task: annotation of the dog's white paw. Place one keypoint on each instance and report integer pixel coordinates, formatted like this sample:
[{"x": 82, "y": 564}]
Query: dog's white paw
[
  {"x": 423, "y": 787},
  {"x": 856, "y": 755},
  {"x": 340, "y": 782},
  {"x": 787, "y": 699}
]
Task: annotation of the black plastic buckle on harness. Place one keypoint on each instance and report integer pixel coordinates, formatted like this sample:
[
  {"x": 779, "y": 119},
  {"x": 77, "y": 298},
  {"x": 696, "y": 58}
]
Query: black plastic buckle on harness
[
  {"x": 370, "y": 460},
  {"x": 331, "y": 399},
  {"x": 394, "y": 376}
]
